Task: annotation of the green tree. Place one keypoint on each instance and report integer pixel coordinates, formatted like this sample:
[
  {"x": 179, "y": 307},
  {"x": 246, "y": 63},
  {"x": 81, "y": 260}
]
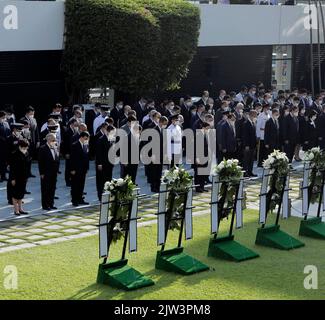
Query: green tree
[{"x": 135, "y": 46}]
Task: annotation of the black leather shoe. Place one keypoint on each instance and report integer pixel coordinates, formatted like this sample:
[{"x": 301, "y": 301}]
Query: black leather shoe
[
  {"x": 46, "y": 208},
  {"x": 54, "y": 208},
  {"x": 17, "y": 214},
  {"x": 23, "y": 212},
  {"x": 84, "y": 203},
  {"x": 75, "y": 204}
]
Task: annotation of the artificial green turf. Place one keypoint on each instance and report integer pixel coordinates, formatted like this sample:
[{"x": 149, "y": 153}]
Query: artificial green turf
[{"x": 68, "y": 270}]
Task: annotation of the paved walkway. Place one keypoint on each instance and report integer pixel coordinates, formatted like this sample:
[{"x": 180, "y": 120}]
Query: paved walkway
[{"x": 43, "y": 228}]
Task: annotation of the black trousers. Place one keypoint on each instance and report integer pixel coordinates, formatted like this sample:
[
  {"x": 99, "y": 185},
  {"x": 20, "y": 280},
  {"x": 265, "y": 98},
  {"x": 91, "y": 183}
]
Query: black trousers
[
  {"x": 199, "y": 180},
  {"x": 248, "y": 160},
  {"x": 67, "y": 172},
  {"x": 129, "y": 170},
  {"x": 229, "y": 155},
  {"x": 262, "y": 153},
  {"x": 78, "y": 186},
  {"x": 155, "y": 172},
  {"x": 289, "y": 149},
  {"x": 101, "y": 178},
  {"x": 48, "y": 187},
  {"x": 3, "y": 165}
]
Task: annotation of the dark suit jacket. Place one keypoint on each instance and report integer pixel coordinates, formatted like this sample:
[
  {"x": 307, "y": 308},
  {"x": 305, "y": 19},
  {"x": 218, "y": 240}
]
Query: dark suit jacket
[
  {"x": 79, "y": 158},
  {"x": 47, "y": 165},
  {"x": 90, "y": 116},
  {"x": 309, "y": 136},
  {"x": 68, "y": 138},
  {"x": 320, "y": 125},
  {"x": 290, "y": 129},
  {"x": 102, "y": 148},
  {"x": 272, "y": 134},
  {"x": 140, "y": 112},
  {"x": 227, "y": 140},
  {"x": 249, "y": 135}
]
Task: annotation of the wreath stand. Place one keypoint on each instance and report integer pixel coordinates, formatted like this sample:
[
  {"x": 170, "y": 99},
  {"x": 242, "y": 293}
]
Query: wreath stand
[
  {"x": 226, "y": 247},
  {"x": 175, "y": 260},
  {"x": 271, "y": 235},
  {"x": 312, "y": 227},
  {"x": 117, "y": 273}
]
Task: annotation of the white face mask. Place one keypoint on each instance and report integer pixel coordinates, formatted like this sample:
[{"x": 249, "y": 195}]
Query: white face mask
[
  {"x": 17, "y": 134},
  {"x": 31, "y": 116},
  {"x": 177, "y": 123},
  {"x": 53, "y": 144},
  {"x": 164, "y": 126},
  {"x": 23, "y": 151},
  {"x": 313, "y": 118},
  {"x": 86, "y": 143},
  {"x": 2, "y": 120}
]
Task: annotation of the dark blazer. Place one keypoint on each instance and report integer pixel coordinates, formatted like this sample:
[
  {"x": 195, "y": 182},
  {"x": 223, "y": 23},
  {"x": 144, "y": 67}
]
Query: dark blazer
[
  {"x": 103, "y": 146},
  {"x": 90, "y": 116},
  {"x": 272, "y": 134},
  {"x": 140, "y": 112},
  {"x": 68, "y": 138},
  {"x": 320, "y": 126},
  {"x": 309, "y": 136},
  {"x": 115, "y": 114},
  {"x": 47, "y": 165},
  {"x": 187, "y": 117},
  {"x": 197, "y": 139},
  {"x": 79, "y": 158},
  {"x": 290, "y": 129},
  {"x": 19, "y": 166},
  {"x": 227, "y": 139},
  {"x": 249, "y": 135}
]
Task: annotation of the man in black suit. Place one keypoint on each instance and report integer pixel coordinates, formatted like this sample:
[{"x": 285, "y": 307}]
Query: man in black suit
[
  {"x": 4, "y": 134},
  {"x": 272, "y": 132},
  {"x": 290, "y": 132},
  {"x": 317, "y": 104},
  {"x": 68, "y": 139},
  {"x": 104, "y": 168},
  {"x": 186, "y": 111},
  {"x": 200, "y": 160},
  {"x": 34, "y": 141},
  {"x": 320, "y": 125},
  {"x": 228, "y": 139},
  {"x": 48, "y": 164},
  {"x": 116, "y": 113},
  {"x": 249, "y": 143},
  {"x": 130, "y": 156},
  {"x": 140, "y": 108},
  {"x": 79, "y": 167},
  {"x": 156, "y": 166},
  {"x": 204, "y": 99}
]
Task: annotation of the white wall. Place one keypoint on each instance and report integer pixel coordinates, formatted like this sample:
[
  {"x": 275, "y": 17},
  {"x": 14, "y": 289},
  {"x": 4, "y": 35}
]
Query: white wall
[
  {"x": 40, "y": 25},
  {"x": 226, "y": 25}
]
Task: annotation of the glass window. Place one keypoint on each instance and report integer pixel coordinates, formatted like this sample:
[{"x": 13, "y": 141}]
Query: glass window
[{"x": 281, "y": 67}]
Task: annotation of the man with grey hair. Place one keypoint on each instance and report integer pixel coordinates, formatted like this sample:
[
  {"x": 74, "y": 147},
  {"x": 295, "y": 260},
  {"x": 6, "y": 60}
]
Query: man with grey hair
[{"x": 48, "y": 164}]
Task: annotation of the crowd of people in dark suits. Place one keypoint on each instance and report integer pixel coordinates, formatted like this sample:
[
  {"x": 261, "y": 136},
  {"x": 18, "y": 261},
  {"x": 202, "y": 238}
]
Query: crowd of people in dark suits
[{"x": 248, "y": 125}]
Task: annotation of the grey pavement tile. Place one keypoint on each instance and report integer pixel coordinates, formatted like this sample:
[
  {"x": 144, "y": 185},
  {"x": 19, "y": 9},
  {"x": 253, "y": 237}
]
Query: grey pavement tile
[
  {"x": 53, "y": 227},
  {"x": 15, "y": 241}
]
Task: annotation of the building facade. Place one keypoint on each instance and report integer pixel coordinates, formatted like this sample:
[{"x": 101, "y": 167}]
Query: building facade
[{"x": 238, "y": 44}]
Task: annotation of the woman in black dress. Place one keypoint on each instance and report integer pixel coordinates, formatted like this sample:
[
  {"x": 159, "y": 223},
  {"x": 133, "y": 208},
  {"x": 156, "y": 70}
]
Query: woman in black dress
[{"x": 18, "y": 175}]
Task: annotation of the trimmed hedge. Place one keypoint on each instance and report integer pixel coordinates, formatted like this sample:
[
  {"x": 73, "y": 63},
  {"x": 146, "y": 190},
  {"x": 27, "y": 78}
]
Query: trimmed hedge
[{"x": 135, "y": 46}]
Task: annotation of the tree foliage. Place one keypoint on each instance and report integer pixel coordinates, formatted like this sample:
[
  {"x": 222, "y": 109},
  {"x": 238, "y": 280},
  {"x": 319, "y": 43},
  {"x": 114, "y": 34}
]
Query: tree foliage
[{"x": 135, "y": 46}]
